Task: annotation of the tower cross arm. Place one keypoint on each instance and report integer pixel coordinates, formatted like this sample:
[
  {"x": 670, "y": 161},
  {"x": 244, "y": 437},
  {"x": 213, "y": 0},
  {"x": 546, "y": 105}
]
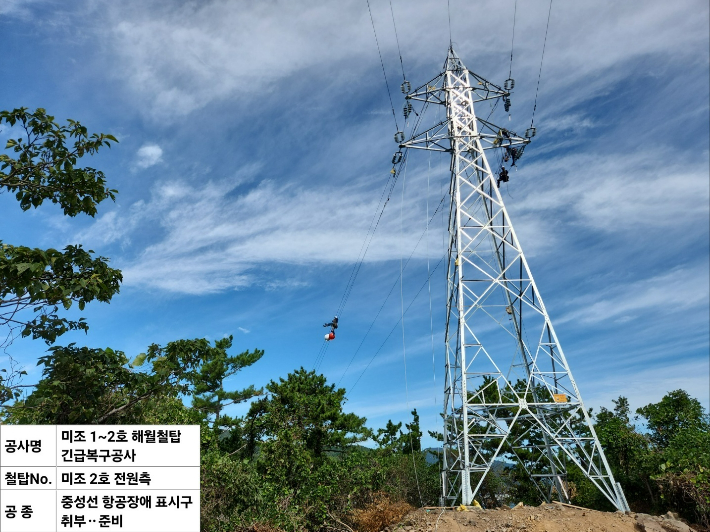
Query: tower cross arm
[
  {"x": 436, "y": 138},
  {"x": 434, "y": 91},
  {"x": 499, "y": 137}
]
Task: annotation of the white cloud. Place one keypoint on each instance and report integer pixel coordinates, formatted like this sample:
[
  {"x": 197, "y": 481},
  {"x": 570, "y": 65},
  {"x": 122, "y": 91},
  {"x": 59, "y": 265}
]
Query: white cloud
[
  {"x": 17, "y": 8},
  {"x": 213, "y": 238},
  {"x": 182, "y": 58},
  {"x": 566, "y": 122},
  {"x": 675, "y": 291},
  {"x": 245, "y": 331},
  {"x": 617, "y": 192},
  {"x": 149, "y": 155}
]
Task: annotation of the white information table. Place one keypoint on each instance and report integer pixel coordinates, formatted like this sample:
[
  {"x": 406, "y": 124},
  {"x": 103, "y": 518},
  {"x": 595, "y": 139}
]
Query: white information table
[{"x": 136, "y": 478}]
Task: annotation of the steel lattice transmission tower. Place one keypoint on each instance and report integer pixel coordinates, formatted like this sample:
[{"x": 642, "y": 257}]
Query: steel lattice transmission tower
[{"x": 509, "y": 391}]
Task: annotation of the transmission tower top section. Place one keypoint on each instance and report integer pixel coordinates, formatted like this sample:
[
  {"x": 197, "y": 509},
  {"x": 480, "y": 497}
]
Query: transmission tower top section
[{"x": 459, "y": 88}]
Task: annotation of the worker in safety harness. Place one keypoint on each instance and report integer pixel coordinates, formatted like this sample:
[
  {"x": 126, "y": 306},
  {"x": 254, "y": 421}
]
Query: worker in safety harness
[
  {"x": 502, "y": 176},
  {"x": 333, "y": 325}
]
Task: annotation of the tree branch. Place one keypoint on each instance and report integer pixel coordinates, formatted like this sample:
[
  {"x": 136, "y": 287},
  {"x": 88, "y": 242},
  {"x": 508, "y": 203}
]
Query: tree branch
[{"x": 120, "y": 408}]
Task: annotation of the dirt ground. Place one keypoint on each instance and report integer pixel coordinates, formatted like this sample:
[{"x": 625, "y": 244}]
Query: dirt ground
[{"x": 543, "y": 518}]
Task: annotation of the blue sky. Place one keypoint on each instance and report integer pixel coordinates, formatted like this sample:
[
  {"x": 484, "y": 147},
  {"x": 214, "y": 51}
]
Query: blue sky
[{"x": 255, "y": 142}]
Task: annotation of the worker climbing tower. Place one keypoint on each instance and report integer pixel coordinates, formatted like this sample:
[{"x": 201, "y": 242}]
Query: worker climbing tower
[{"x": 509, "y": 392}]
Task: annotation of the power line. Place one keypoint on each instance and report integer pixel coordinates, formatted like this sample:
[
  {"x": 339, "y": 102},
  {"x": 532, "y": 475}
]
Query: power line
[
  {"x": 397, "y": 39},
  {"x": 390, "y": 292},
  {"x": 377, "y": 217},
  {"x": 356, "y": 269},
  {"x": 389, "y": 94},
  {"x": 366, "y": 244},
  {"x": 512, "y": 42},
  {"x": 428, "y": 270},
  {"x": 539, "y": 74},
  {"x": 396, "y": 324},
  {"x": 404, "y": 344},
  {"x": 371, "y": 231}
]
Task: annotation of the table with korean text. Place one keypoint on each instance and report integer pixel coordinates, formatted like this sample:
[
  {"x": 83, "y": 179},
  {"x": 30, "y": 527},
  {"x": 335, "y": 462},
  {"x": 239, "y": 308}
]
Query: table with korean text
[{"x": 134, "y": 478}]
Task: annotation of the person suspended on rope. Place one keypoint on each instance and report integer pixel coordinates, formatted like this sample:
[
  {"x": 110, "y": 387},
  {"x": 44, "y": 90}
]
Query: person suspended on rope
[
  {"x": 502, "y": 176},
  {"x": 513, "y": 153},
  {"x": 333, "y": 325}
]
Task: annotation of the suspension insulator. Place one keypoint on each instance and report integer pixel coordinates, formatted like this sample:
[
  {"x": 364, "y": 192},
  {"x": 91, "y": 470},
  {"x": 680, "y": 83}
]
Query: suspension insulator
[
  {"x": 407, "y": 109},
  {"x": 399, "y": 137},
  {"x": 506, "y": 104},
  {"x": 406, "y": 87},
  {"x": 509, "y": 84},
  {"x": 397, "y": 157},
  {"x": 530, "y": 132}
]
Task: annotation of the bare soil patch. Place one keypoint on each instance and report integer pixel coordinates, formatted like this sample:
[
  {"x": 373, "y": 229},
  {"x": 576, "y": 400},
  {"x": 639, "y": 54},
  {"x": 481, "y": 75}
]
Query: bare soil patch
[{"x": 543, "y": 518}]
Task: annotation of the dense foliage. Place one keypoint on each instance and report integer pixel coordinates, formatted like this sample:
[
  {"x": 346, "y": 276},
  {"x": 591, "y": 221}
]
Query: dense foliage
[
  {"x": 40, "y": 163},
  {"x": 662, "y": 465}
]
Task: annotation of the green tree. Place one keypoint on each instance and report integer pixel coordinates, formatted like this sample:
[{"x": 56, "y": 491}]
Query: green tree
[
  {"x": 625, "y": 449},
  {"x": 307, "y": 403},
  {"x": 209, "y": 394},
  {"x": 388, "y": 437},
  {"x": 40, "y": 281},
  {"x": 413, "y": 438},
  {"x": 392, "y": 439},
  {"x": 83, "y": 385},
  {"x": 679, "y": 461},
  {"x": 299, "y": 438},
  {"x": 627, "y": 452},
  {"x": 675, "y": 412},
  {"x": 41, "y": 164}
]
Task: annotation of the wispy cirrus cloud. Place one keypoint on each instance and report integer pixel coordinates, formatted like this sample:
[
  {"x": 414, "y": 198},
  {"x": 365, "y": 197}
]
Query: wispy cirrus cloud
[
  {"x": 211, "y": 238},
  {"x": 610, "y": 192},
  {"x": 18, "y": 8},
  {"x": 675, "y": 292},
  {"x": 180, "y": 59}
]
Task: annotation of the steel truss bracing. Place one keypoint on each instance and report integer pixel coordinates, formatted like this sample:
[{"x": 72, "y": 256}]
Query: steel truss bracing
[{"x": 509, "y": 392}]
